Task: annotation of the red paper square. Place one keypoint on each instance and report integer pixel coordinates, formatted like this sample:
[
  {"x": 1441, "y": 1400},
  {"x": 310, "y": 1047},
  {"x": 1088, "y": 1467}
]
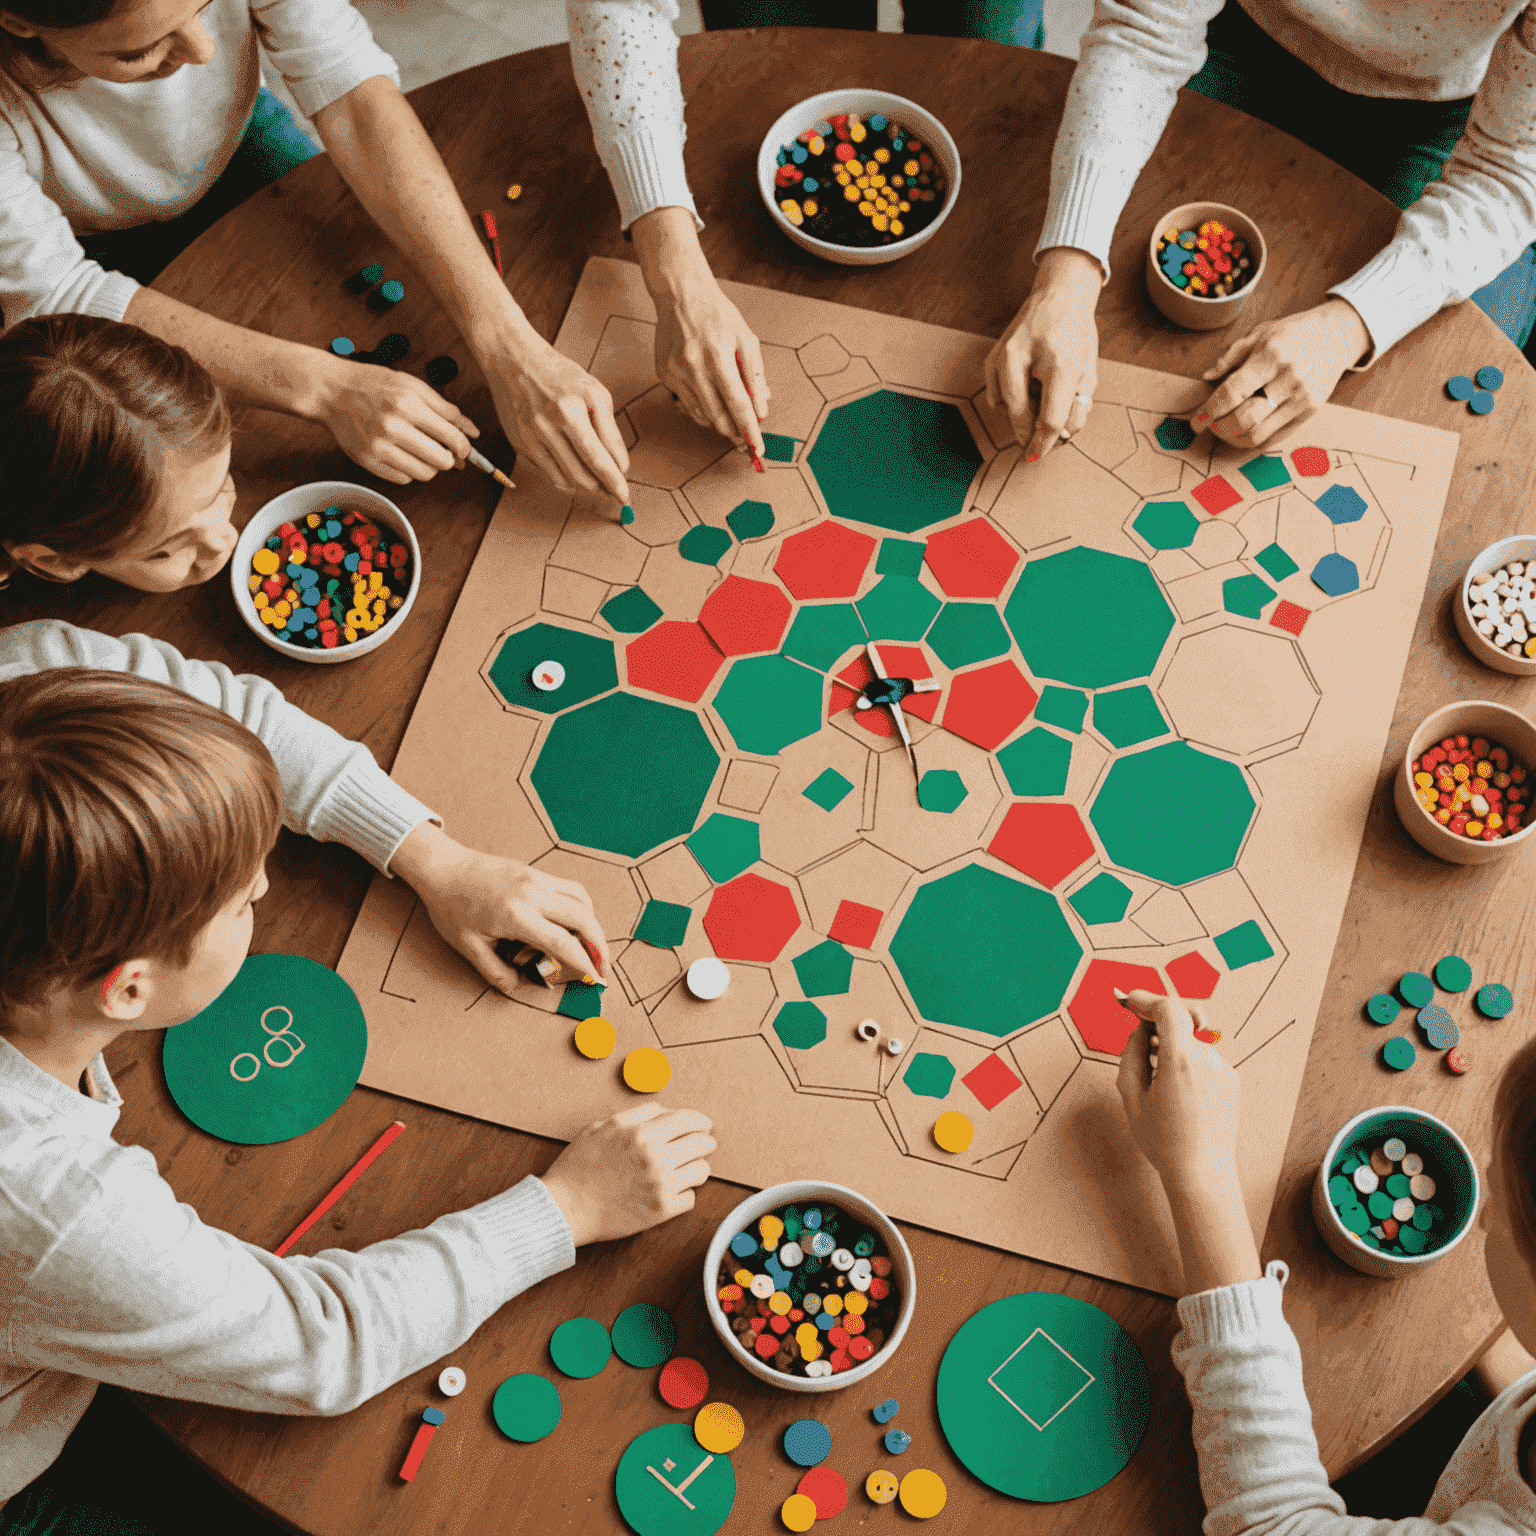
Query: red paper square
[
  {"x": 1215, "y": 495},
  {"x": 1290, "y": 617},
  {"x": 992, "y": 1081},
  {"x": 856, "y": 924}
]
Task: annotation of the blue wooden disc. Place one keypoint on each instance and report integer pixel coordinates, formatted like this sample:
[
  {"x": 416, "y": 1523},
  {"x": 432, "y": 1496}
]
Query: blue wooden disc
[{"x": 1460, "y": 387}]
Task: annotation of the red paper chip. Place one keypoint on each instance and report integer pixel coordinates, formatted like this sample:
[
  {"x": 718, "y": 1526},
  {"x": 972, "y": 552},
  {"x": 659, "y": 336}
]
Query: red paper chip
[
  {"x": 684, "y": 1383},
  {"x": 826, "y": 1490}
]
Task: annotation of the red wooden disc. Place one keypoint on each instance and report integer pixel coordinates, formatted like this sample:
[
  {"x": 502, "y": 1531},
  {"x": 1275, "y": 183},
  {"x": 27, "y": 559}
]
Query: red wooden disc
[
  {"x": 684, "y": 1383},
  {"x": 826, "y": 1490}
]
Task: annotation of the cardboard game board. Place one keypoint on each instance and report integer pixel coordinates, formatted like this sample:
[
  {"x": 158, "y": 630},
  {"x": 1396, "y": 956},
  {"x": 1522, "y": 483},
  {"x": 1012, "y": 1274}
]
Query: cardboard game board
[{"x": 1167, "y": 672}]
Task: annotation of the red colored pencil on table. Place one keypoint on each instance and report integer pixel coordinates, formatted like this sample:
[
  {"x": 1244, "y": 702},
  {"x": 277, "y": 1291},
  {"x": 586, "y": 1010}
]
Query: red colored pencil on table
[
  {"x": 348, "y": 1179},
  {"x": 757, "y": 463},
  {"x": 488, "y": 219}
]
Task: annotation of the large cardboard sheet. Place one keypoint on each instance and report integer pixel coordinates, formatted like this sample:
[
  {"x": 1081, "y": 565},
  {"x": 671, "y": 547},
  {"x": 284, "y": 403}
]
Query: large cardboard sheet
[{"x": 1202, "y": 728}]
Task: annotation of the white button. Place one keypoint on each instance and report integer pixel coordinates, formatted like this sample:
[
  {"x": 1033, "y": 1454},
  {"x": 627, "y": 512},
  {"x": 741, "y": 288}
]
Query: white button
[
  {"x": 895, "y": 1046},
  {"x": 452, "y": 1381},
  {"x": 548, "y": 676},
  {"x": 1402, "y": 1210},
  {"x": 859, "y": 1282},
  {"x": 708, "y": 978},
  {"x": 1395, "y": 1148},
  {"x": 869, "y": 1030},
  {"x": 1413, "y": 1165},
  {"x": 762, "y": 1286},
  {"x": 791, "y": 1254},
  {"x": 818, "y": 1368},
  {"x": 1365, "y": 1179},
  {"x": 842, "y": 1259},
  {"x": 1421, "y": 1187}
]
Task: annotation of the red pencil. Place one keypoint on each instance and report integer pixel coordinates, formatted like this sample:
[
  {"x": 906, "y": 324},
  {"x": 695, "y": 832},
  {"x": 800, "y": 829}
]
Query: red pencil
[
  {"x": 741, "y": 368},
  {"x": 489, "y": 220},
  {"x": 347, "y": 1180}
]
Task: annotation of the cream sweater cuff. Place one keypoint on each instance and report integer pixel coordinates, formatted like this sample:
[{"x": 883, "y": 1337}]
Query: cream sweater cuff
[
  {"x": 1087, "y": 199},
  {"x": 1393, "y": 294},
  {"x": 1236, "y": 1311},
  {"x": 368, "y": 812},
  {"x": 525, "y": 1235},
  {"x": 648, "y": 173}
]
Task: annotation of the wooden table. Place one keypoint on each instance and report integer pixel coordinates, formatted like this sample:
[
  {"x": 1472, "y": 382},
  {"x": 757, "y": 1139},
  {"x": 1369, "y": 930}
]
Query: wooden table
[{"x": 1376, "y": 1354}]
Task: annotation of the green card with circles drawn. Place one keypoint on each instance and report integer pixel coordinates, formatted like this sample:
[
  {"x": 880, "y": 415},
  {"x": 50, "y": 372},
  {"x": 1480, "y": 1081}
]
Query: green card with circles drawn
[{"x": 273, "y": 1056}]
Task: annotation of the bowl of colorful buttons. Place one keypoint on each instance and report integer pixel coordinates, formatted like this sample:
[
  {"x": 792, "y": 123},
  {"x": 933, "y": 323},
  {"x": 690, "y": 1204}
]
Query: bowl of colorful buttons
[
  {"x": 858, "y": 177},
  {"x": 1203, "y": 262},
  {"x": 1397, "y": 1191},
  {"x": 809, "y": 1286},
  {"x": 1464, "y": 790},
  {"x": 1496, "y": 608},
  {"x": 326, "y": 571}
]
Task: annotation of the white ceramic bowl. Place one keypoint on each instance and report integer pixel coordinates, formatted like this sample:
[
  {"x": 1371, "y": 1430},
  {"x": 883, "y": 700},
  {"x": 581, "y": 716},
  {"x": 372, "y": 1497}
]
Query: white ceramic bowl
[
  {"x": 747, "y": 1214},
  {"x": 1190, "y": 310},
  {"x": 935, "y": 137},
  {"x": 1497, "y": 723},
  {"x": 292, "y": 507},
  {"x": 1521, "y": 547},
  {"x": 1442, "y": 1149}
]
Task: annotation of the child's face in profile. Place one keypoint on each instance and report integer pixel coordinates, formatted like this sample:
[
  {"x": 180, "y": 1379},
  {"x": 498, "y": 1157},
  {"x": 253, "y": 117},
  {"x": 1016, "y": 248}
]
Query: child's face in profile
[
  {"x": 182, "y": 992},
  {"x": 147, "y": 40},
  {"x": 192, "y": 537}
]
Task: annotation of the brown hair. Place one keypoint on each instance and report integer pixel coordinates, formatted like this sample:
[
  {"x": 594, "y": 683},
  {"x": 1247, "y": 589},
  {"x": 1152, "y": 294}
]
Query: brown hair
[
  {"x": 1514, "y": 1145},
  {"x": 89, "y": 408},
  {"x": 130, "y": 815},
  {"x": 25, "y": 67}
]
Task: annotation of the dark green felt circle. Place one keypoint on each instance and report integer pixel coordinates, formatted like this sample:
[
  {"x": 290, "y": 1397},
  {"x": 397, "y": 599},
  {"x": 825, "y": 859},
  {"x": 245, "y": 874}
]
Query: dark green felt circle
[
  {"x": 1416, "y": 989},
  {"x": 1495, "y": 1000},
  {"x": 1453, "y": 973},
  {"x": 255, "y": 1082},
  {"x": 1399, "y": 1053},
  {"x": 1039, "y": 1359},
  {"x": 1382, "y": 1008},
  {"x": 526, "y": 1407},
  {"x": 644, "y": 1335},
  {"x": 580, "y": 1347}
]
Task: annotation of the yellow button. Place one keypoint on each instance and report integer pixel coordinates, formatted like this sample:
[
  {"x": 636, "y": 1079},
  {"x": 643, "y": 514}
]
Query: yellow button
[
  {"x": 514, "y": 192},
  {"x": 265, "y": 561},
  {"x": 856, "y": 1303},
  {"x": 595, "y": 1038},
  {"x": 647, "y": 1070},
  {"x": 742, "y": 1277},
  {"x": 832, "y": 1304},
  {"x": 923, "y": 1493},
  {"x": 718, "y": 1428},
  {"x": 798, "y": 1512},
  {"x": 880, "y": 1486},
  {"x": 780, "y": 1303}
]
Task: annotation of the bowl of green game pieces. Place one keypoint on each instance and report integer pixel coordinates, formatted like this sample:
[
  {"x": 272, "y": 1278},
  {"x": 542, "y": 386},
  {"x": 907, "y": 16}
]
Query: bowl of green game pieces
[
  {"x": 1396, "y": 1191},
  {"x": 810, "y": 1286}
]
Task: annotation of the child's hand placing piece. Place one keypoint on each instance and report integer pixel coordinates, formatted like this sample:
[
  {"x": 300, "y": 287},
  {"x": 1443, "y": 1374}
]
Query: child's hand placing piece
[
  {"x": 1184, "y": 1115},
  {"x": 630, "y": 1172}
]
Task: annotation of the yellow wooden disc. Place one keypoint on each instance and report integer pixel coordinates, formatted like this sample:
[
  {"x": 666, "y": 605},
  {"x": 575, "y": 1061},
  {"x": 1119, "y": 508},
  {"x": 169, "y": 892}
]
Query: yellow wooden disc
[
  {"x": 798, "y": 1512},
  {"x": 718, "y": 1428},
  {"x": 880, "y": 1486},
  {"x": 595, "y": 1038},
  {"x": 647, "y": 1070},
  {"x": 923, "y": 1493},
  {"x": 953, "y": 1131}
]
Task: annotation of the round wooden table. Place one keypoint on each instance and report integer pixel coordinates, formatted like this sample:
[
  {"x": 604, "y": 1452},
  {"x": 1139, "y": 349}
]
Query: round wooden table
[{"x": 1376, "y": 1354}]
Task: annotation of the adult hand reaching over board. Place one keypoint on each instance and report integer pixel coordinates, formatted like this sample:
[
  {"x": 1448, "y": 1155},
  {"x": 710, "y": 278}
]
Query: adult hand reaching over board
[{"x": 476, "y": 898}]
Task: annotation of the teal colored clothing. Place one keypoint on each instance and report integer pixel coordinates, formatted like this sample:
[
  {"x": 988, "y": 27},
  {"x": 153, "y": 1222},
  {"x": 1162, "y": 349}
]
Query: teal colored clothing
[
  {"x": 273, "y": 144},
  {"x": 1396, "y": 146},
  {"x": 1021, "y": 22}
]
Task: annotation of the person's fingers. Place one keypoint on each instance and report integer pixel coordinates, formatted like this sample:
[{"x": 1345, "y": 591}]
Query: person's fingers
[
  {"x": 752, "y": 373},
  {"x": 572, "y": 888},
  {"x": 439, "y": 419},
  {"x": 600, "y": 417},
  {"x": 1286, "y": 414},
  {"x": 1057, "y": 388},
  {"x": 481, "y": 954},
  {"x": 695, "y": 1147},
  {"x": 1082, "y": 408},
  {"x": 403, "y": 462},
  {"x": 636, "y": 1114},
  {"x": 1246, "y": 380},
  {"x": 687, "y": 1178},
  {"x": 409, "y": 438},
  {"x": 680, "y": 1203},
  {"x": 587, "y": 439},
  {"x": 1233, "y": 355},
  {"x": 989, "y": 375},
  {"x": 559, "y": 943},
  {"x": 1014, "y": 385},
  {"x": 708, "y": 389},
  {"x": 559, "y": 448},
  {"x": 535, "y": 452},
  {"x": 1135, "y": 1074},
  {"x": 738, "y": 402},
  {"x": 678, "y": 1124}
]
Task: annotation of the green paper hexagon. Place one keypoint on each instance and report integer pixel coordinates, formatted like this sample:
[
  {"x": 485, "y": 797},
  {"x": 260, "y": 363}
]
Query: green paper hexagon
[
  {"x": 929, "y": 1075},
  {"x": 1128, "y": 715},
  {"x": 1167, "y": 524},
  {"x": 588, "y": 662},
  {"x": 1143, "y": 813},
  {"x": 1045, "y": 615},
  {"x": 767, "y": 702},
  {"x": 968, "y": 632},
  {"x": 941, "y": 789},
  {"x": 1247, "y": 596},
  {"x": 824, "y": 970},
  {"x": 924, "y": 462},
  {"x": 1103, "y": 900},
  {"x": 1037, "y": 763},
  {"x": 898, "y": 608},
  {"x": 704, "y": 546},
  {"x": 657, "y": 799},
  {"x": 725, "y": 846},
  {"x": 750, "y": 520},
  {"x": 800, "y": 1025},
  {"x": 823, "y": 633}
]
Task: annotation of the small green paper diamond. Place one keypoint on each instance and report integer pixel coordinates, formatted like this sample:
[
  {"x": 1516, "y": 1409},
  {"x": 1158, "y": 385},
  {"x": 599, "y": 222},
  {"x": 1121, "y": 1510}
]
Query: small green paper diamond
[{"x": 828, "y": 789}]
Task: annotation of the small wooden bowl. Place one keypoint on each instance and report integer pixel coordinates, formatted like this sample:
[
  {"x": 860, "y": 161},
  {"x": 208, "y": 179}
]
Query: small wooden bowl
[
  {"x": 1190, "y": 310},
  {"x": 1521, "y": 547},
  {"x": 1497, "y": 723}
]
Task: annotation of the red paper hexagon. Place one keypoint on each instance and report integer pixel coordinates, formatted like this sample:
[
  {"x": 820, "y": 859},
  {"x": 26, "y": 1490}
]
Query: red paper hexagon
[
  {"x": 1215, "y": 495},
  {"x": 1045, "y": 842},
  {"x": 1310, "y": 461},
  {"x": 973, "y": 560},
  {"x": 987, "y": 706},
  {"x": 1192, "y": 975},
  {"x": 751, "y": 918},
  {"x": 675, "y": 658},
  {"x": 825, "y": 561},
  {"x": 1102, "y": 1022},
  {"x": 741, "y": 616},
  {"x": 899, "y": 661}
]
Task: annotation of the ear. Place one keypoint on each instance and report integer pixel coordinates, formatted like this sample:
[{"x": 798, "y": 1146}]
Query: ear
[
  {"x": 16, "y": 26},
  {"x": 124, "y": 995},
  {"x": 38, "y": 558}
]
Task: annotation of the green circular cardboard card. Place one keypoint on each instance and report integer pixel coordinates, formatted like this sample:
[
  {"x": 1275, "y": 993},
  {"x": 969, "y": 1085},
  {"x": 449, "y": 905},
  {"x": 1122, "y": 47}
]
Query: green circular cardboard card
[
  {"x": 1043, "y": 1397},
  {"x": 667, "y": 1484},
  {"x": 580, "y": 1347},
  {"x": 274, "y": 1055},
  {"x": 526, "y": 1407}
]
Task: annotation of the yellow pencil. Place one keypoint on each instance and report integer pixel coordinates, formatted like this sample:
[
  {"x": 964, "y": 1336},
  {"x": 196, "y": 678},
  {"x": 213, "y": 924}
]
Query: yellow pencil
[{"x": 480, "y": 461}]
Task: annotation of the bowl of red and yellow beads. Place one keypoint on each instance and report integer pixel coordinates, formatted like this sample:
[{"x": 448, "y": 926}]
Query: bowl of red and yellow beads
[
  {"x": 858, "y": 177},
  {"x": 809, "y": 1286},
  {"x": 1464, "y": 789},
  {"x": 326, "y": 572},
  {"x": 1203, "y": 262}
]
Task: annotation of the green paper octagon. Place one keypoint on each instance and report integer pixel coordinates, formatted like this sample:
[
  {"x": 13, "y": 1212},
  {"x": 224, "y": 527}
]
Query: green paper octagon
[
  {"x": 801, "y": 1026},
  {"x": 1043, "y": 1397},
  {"x": 273, "y": 1056}
]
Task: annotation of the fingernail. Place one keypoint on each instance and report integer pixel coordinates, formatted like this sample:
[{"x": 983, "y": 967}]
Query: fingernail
[
  {"x": 1032, "y": 453},
  {"x": 1119, "y": 995},
  {"x": 589, "y": 981},
  {"x": 1198, "y": 421}
]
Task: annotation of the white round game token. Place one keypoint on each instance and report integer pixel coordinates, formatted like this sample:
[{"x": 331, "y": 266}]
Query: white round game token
[
  {"x": 862, "y": 1270},
  {"x": 762, "y": 1286},
  {"x": 708, "y": 978},
  {"x": 869, "y": 1030},
  {"x": 1413, "y": 1165},
  {"x": 857, "y": 1281},
  {"x": 1395, "y": 1148},
  {"x": 452, "y": 1381},
  {"x": 895, "y": 1046},
  {"x": 791, "y": 1254},
  {"x": 1365, "y": 1179},
  {"x": 1421, "y": 1187},
  {"x": 1402, "y": 1210},
  {"x": 862, "y": 703},
  {"x": 818, "y": 1368},
  {"x": 548, "y": 676},
  {"x": 842, "y": 1258}
]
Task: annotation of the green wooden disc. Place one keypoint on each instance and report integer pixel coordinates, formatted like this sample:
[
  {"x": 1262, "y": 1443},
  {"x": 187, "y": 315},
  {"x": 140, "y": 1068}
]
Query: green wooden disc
[
  {"x": 1399, "y": 1053},
  {"x": 1382, "y": 1008},
  {"x": 580, "y": 1347},
  {"x": 1412, "y": 1240},
  {"x": 274, "y": 1055},
  {"x": 1453, "y": 974},
  {"x": 1380, "y": 1204},
  {"x": 526, "y": 1407},
  {"x": 1355, "y": 1218},
  {"x": 1043, "y": 1397},
  {"x": 667, "y": 1484},
  {"x": 1495, "y": 1000},
  {"x": 644, "y": 1335},
  {"x": 1397, "y": 1185},
  {"x": 1416, "y": 989}
]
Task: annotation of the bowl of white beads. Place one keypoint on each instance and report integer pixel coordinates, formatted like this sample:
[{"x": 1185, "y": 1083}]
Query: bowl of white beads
[{"x": 1496, "y": 608}]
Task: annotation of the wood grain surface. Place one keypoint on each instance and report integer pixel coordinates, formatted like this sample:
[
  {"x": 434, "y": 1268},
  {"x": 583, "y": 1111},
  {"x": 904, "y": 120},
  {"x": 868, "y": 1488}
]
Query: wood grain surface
[{"x": 1376, "y": 1353}]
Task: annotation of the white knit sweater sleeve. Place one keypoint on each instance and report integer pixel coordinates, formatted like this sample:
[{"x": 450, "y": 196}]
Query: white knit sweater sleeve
[
  {"x": 1471, "y": 223},
  {"x": 1135, "y": 57},
  {"x": 333, "y": 790},
  {"x": 624, "y": 54},
  {"x": 1259, "y": 1467}
]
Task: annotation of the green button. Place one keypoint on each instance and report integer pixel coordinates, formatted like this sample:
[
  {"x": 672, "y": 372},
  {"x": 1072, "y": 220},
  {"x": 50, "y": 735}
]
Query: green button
[
  {"x": 1398, "y": 1053},
  {"x": 1382, "y": 1008},
  {"x": 1416, "y": 989},
  {"x": 1453, "y": 973}
]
